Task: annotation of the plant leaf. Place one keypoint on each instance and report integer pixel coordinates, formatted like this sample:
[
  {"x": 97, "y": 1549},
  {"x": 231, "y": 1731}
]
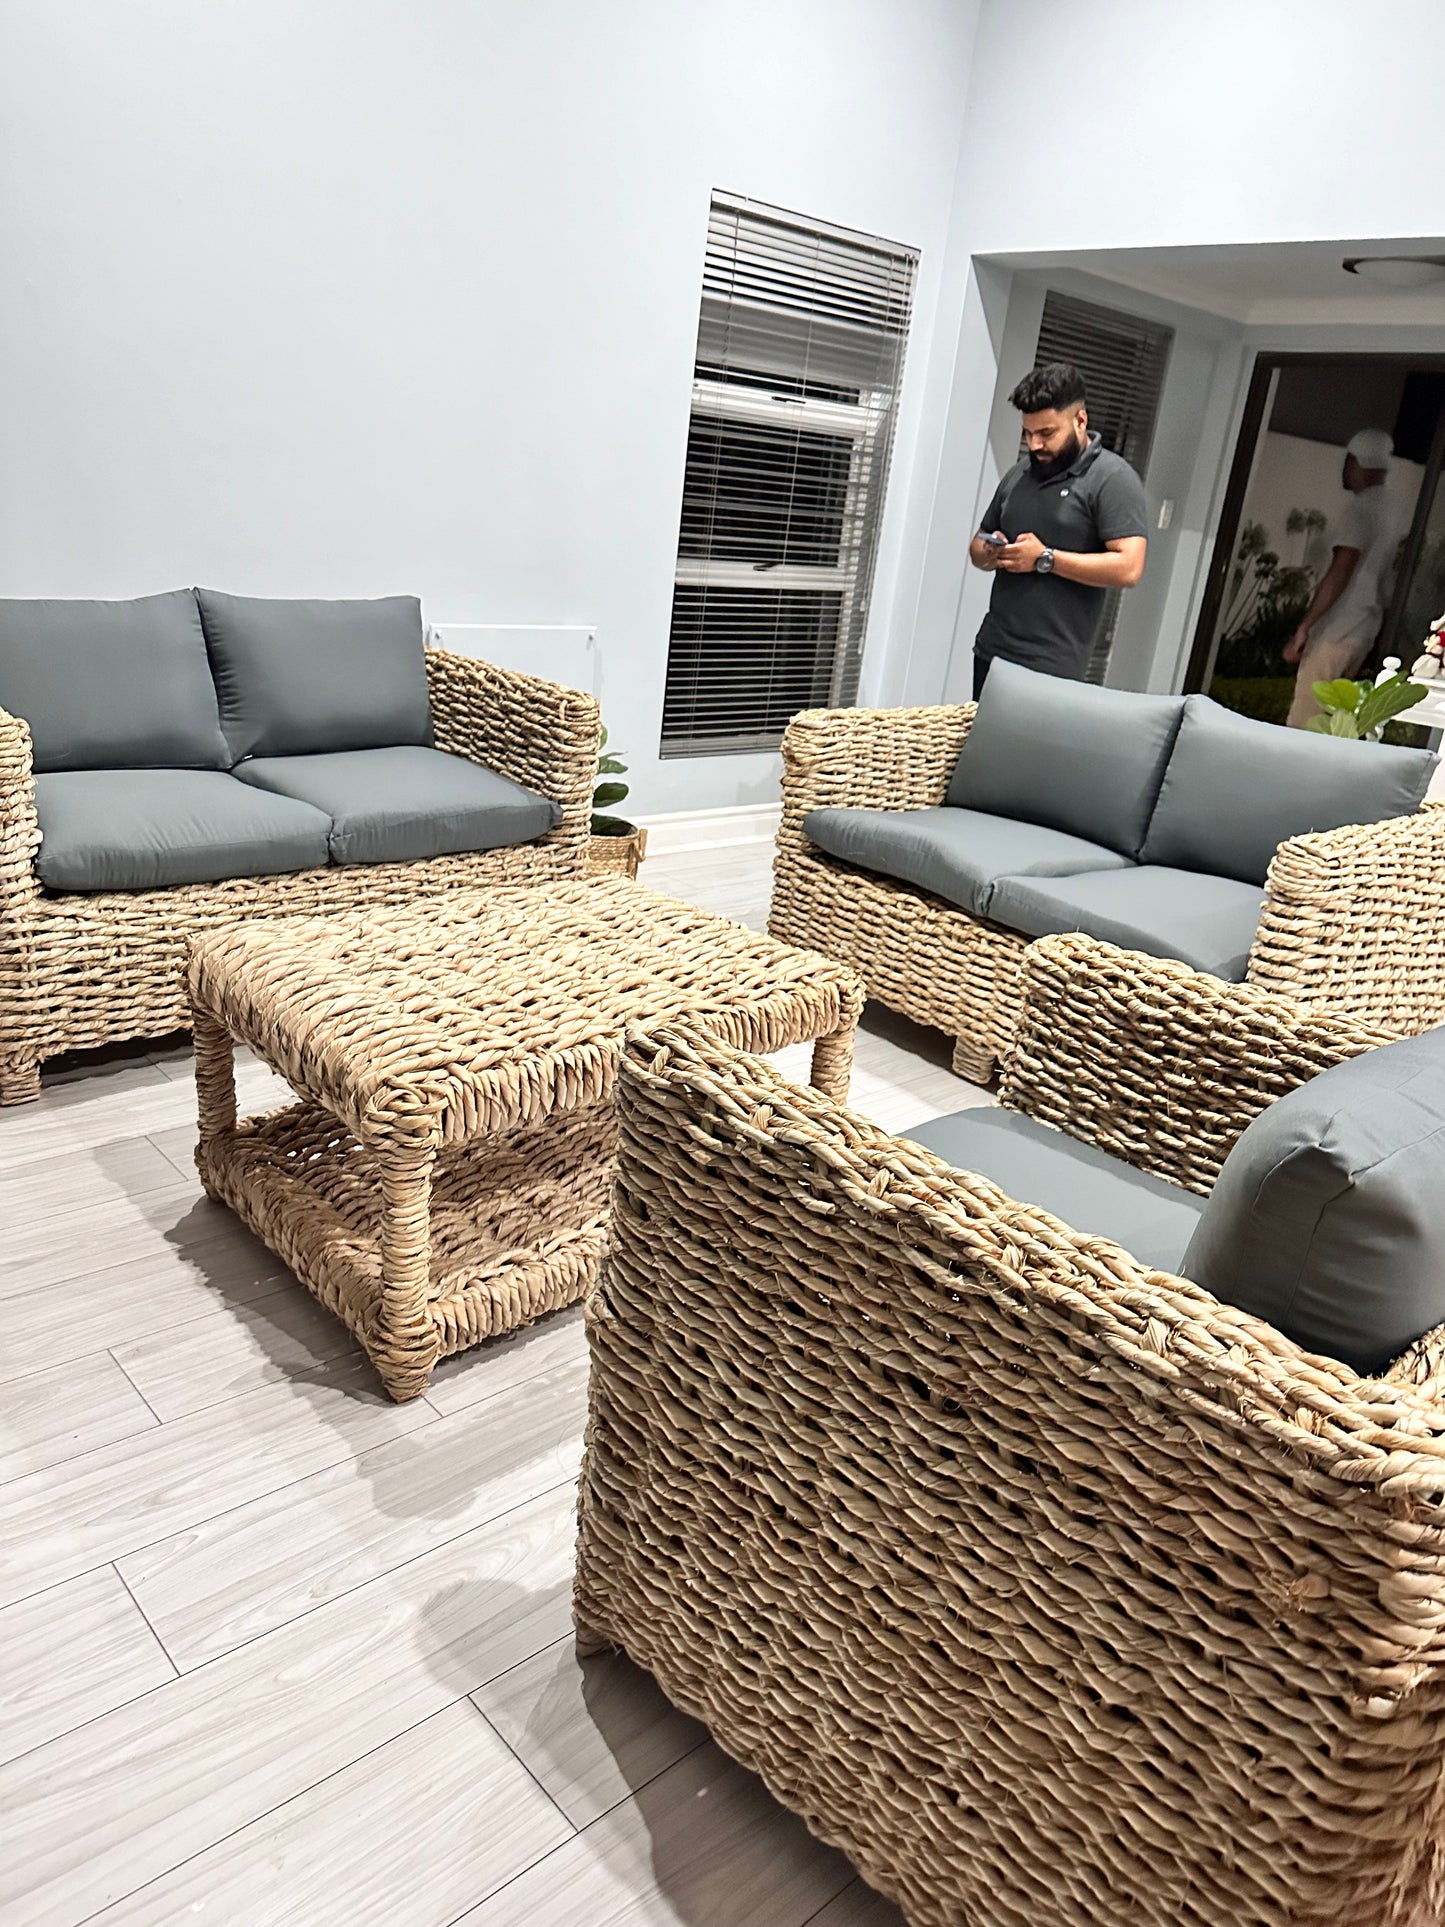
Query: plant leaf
[
  {"x": 1389, "y": 699},
  {"x": 606, "y": 793},
  {"x": 1322, "y": 725},
  {"x": 602, "y": 739},
  {"x": 1342, "y": 693},
  {"x": 610, "y": 766}
]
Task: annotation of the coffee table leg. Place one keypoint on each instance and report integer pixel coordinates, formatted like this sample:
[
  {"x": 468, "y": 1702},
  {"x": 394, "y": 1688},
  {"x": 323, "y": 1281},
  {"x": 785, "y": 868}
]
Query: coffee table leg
[
  {"x": 405, "y": 1343},
  {"x": 215, "y": 1082},
  {"x": 833, "y": 1062}
]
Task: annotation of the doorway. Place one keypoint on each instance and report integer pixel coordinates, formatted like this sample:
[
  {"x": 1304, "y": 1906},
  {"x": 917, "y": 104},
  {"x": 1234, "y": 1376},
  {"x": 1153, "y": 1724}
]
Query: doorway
[{"x": 1286, "y": 504}]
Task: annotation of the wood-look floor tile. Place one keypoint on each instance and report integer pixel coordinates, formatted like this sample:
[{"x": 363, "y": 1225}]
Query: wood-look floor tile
[
  {"x": 65, "y": 1181},
  {"x": 703, "y": 1845},
  {"x": 71, "y": 1654},
  {"x": 502, "y": 1362},
  {"x": 61, "y": 1522},
  {"x": 84, "y": 1114},
  {"x": 859, "y": 1906},
  {"x": 71, "y": 1317},
  {"x": 414, "y": 1833},
  {"x": 53, "y": 1249},
  {"x": 203, "y": 1361},
  {"x": 590, "y": 1733},
  {"x": 49, "y": 1416},
  {"x": 177, "y": 1144},
  {"x": 95, "y": 1815},
  {"x": 256, "y": 1566}
]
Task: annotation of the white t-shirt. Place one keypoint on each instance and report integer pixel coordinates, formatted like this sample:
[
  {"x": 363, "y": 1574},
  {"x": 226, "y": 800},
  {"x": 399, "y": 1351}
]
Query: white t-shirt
[{"x": 1375, "y": 522}]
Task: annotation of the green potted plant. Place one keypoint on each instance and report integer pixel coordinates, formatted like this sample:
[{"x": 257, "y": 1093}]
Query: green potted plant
[
  {"x": 1362, "y": 709},
  {"x": 617, "y": 844}
]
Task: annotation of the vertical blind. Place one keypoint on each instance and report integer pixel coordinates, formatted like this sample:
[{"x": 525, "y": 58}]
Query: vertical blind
[
  {"x": 799, "y": 355},
  {"x": 1123, "y": 359}
]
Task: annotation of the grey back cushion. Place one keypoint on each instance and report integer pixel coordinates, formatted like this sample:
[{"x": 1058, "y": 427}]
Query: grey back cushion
[
  {"x": 1328, "y": 1218},
  {"x": 1077, "y": 758},
  {"x": 1236, "y": 789},
  {"x": 300, "y": 678},
  {"x": 112, "y": 685}
]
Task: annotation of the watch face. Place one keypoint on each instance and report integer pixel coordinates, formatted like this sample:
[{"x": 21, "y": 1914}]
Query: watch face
[{"x": 1045, "y": 562}]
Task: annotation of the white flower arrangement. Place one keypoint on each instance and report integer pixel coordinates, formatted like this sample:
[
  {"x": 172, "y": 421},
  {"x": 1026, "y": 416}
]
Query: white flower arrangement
[{"x": 1430, "y": 666}]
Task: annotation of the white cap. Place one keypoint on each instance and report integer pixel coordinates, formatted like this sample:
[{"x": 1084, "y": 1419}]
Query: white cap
[{"x": 1371, "y": 448}]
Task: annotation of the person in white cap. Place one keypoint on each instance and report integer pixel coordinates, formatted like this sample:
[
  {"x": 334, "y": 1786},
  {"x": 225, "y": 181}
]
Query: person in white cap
[{"x": 1348, "y": 605}]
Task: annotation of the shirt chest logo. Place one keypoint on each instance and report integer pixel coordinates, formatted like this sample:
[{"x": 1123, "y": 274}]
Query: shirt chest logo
[{"x": 1063, "y": 491}]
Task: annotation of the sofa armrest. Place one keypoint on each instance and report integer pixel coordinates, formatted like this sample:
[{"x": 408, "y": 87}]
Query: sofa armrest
[
  {"x": 863, "y": 1435},
  {"x": 1355, "y": 919},
  {"x": 19, "y": 830},
  {"x": 536, "y": 733},
  {"x": 1158, "y": 1063},
  {"x": 19, "y": 890},
  {"x": 868, "y": 759}
]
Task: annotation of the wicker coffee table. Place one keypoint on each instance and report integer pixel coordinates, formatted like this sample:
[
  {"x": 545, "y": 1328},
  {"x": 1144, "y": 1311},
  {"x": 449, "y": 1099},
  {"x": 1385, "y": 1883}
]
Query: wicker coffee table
[{"x": 444, "y": 1174}]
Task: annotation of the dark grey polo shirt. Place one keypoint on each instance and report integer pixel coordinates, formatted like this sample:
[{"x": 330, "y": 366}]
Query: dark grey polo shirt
[{"x": 1042, "y": 621}]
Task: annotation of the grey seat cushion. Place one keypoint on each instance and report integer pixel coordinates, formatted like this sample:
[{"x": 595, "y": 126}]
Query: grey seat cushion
[
  {"x": 1206, "y": 922},
  {"x": 1080, "y": 759},
  {"x": 1328, "y": 1218},
  {"x": 144, "y": 829},
  {"x": 399, "y": 805},
  {"x": 957, "y": 854},
  {"x": 1236, "y": 789},
  {"x": 112, "y": 685},
  {"x": 299, "y": 678},
  {"x": 1085, "y": 1187}
]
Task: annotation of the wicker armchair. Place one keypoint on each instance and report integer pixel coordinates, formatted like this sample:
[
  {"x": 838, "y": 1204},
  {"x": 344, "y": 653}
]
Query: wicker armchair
[
  {"x": 79, "y": 970},
  {"x": 1051, "y": 1590},
  {"x": 1351, "y": 918}
]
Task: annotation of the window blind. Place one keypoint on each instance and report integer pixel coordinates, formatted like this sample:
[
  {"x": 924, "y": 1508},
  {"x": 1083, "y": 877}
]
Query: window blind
[
  {"x": 1124, "y": 359},
  {"x": 799, "y": 356}
]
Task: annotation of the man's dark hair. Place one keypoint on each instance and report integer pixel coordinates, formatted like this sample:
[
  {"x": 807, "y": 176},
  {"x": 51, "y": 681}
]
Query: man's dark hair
[{"x": 1057, "y": 384}]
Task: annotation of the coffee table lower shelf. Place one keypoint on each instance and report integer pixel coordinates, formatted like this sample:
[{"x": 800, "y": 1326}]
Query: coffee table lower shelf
[{"x": 517, "y": 1227}]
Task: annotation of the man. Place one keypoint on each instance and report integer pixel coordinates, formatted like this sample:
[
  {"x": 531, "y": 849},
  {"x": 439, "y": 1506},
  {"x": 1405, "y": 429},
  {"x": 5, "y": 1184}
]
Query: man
[
  {"x": 1066, "y": 524},
  {"x": 1348, "y": 606}
]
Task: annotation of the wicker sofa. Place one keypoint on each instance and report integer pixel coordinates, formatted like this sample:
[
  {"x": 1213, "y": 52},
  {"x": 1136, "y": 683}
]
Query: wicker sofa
[
  {"x": 486, "y": 777},
  {"x": 1052, "y": 1590},
  {"x": 1352, "y": 916}
]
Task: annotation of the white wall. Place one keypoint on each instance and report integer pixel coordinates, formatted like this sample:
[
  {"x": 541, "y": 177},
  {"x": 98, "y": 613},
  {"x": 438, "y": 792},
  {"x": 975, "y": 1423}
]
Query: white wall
[
  {"x": 343, "y": 297},
  {"x": 1127, "y": 123},
  {"x": 1132, "y": 125}
]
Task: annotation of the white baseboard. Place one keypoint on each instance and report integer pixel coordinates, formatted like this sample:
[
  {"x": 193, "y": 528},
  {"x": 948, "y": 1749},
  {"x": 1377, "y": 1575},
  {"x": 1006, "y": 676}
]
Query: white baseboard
[{"x": 679, "y": 831}]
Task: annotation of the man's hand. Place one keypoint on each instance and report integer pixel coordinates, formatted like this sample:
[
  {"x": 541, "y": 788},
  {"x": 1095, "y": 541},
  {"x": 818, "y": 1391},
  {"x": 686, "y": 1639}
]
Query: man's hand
[
  {"x": 1020, "y": 557},
  {"x": 984, "y": 554},
  {"x": 1294, "y": 649}
]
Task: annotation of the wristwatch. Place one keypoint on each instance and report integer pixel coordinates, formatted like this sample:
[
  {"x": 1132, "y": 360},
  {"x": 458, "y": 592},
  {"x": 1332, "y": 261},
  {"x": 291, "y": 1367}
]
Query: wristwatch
[{"x": 1045, "y": 563}]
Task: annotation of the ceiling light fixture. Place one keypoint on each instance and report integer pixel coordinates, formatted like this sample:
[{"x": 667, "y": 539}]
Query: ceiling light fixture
[{"x": 1397, "y": 270}]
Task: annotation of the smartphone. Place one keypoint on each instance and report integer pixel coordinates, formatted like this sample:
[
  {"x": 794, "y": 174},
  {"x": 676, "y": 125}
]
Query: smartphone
[{"x": 995, "y": 541}]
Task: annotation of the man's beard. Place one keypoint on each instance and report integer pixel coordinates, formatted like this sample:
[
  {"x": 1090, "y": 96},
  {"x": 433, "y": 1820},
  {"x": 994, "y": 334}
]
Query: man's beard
[{"x": 1044, "y": 467}]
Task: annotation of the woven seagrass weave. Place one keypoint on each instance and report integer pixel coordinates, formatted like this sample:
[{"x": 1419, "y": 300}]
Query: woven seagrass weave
[
  {"x": 82, "y": 970},
  {"x": 444, "y": 1174},
  {"x": 1052, "y": 1591},
  {"x": 1353, "y": 919}
]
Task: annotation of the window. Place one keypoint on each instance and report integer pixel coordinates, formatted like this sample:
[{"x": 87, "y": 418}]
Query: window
[
  {"x": 799, "y": 354},
  {"x": 1123, "y": 359}
]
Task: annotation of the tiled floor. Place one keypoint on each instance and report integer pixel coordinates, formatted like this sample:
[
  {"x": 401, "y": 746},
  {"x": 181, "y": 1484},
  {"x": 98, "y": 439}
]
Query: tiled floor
[{"x": 275, "y": 1652}]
